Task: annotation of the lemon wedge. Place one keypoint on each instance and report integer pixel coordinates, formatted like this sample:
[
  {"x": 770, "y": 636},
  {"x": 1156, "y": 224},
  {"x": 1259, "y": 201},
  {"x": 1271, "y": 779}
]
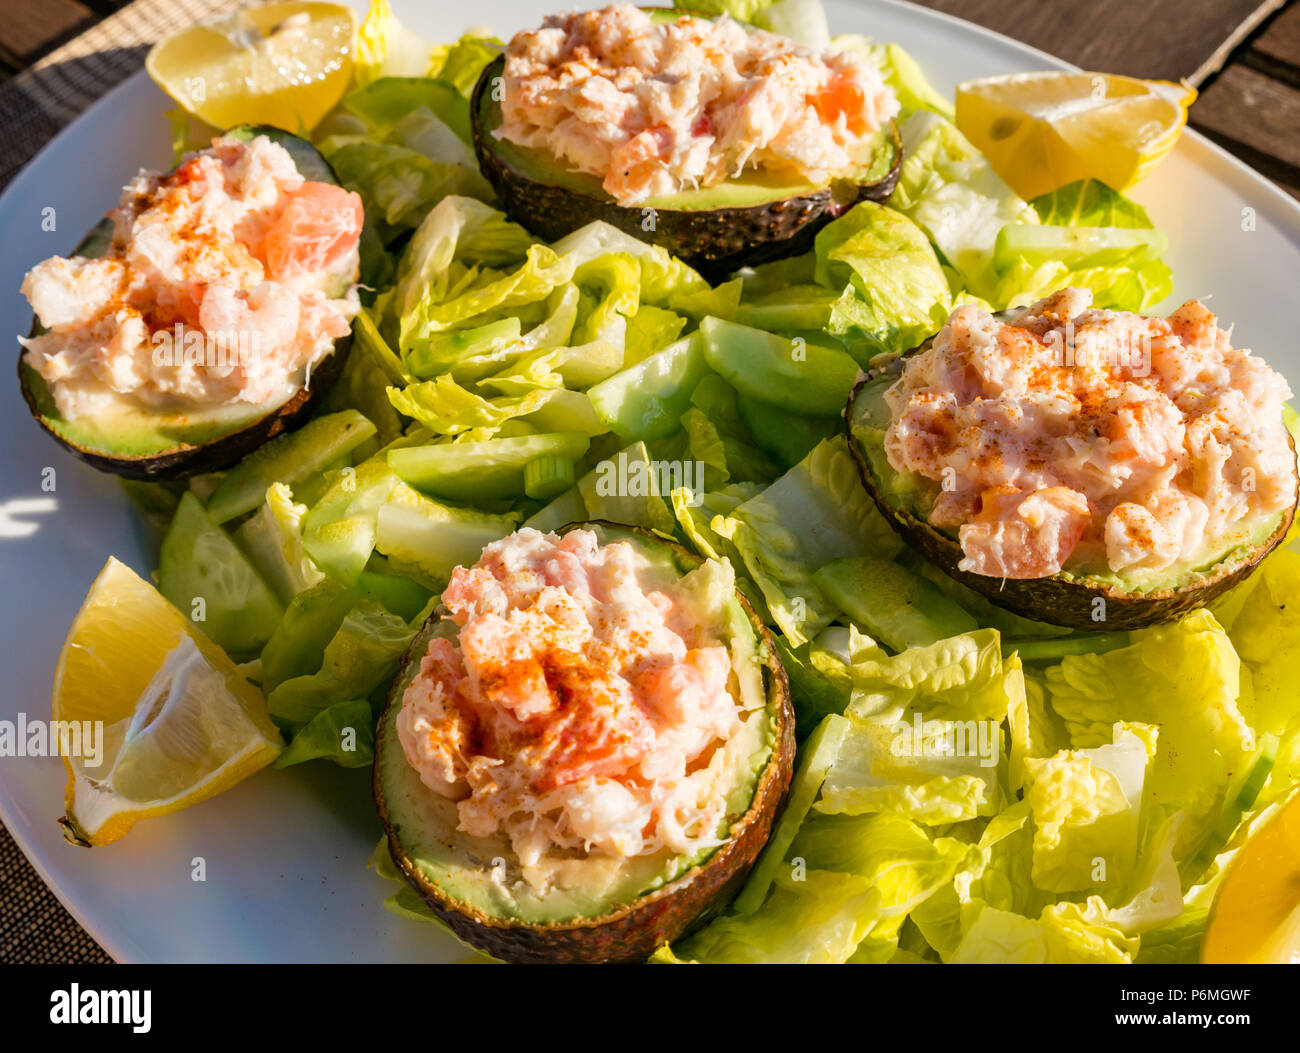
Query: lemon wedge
[
  {"x": 284, "y": 64},
  {"x": 1256, "y": 915},
  {"x": 164, "y": 717},
  {"x": 1043, "y": 130}
]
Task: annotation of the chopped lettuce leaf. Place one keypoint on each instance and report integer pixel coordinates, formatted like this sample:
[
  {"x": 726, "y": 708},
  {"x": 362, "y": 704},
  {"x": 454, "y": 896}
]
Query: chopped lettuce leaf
[
  {"x": 931, "y": 771},
  {"x": 1183, "y": 677},
  {"x": 272, "y": 538},
  {"x": 961, "y": 678},
  {"x": 814, "y": 513},
  {"x": 949, "y": 190},
  {"x": 902, "y": 296},
  {"x": 1087, "y": 808},
  {"x": 361, "y": 656},
  {"x": 343, "y": 733}
]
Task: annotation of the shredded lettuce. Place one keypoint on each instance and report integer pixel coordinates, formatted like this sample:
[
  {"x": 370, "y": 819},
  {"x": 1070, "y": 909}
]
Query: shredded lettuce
[{"x": 813, "y": 514}]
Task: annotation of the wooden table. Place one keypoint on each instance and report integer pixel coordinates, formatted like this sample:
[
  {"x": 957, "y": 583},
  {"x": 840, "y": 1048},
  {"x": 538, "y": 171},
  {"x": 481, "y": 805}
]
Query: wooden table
[{"x": 1243, "y": 56}]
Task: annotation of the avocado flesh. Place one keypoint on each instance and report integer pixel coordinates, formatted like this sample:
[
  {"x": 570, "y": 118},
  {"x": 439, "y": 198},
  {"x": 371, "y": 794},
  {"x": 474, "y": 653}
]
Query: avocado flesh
[
  {"x": 1133, "y": 600},
  {"x": 741, "y": 222},
  {"x": 596, "y": 908},
  {"x": 137, "y": 443}
]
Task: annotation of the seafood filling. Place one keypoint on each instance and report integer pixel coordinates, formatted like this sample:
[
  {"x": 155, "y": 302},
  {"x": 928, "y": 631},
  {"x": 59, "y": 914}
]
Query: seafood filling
[
  {"x": 227, "y": 280},
  {"x": 655, "y": 108},
  {"x": 582, "y": 705},
  {"x": 1073, "y": 437}
]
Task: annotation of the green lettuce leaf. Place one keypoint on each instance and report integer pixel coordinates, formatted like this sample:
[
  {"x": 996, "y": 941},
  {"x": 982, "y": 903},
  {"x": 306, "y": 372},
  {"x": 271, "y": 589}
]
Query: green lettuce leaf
[
  {"x": 901, "y": 295},
  {"x": 1087, "y": 808},
  {"x": 931, "y": 771},
  {"x": 952, "y": 193},
  {"x": 343, "y": 733},
  {"x": 814, "y": 513},
  {"x": 1184, "y": 678},
  {"x": 362, "y": 655}
]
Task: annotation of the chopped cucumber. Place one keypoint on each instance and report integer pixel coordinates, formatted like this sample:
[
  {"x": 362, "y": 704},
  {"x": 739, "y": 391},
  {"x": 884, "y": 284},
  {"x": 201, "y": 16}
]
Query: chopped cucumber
[
  {"x": 467, "y": 471},
  {"x": 890, "y": 603},
  {"x": 787, "y": 437},
  {"x": 794, "y": 307},
  {"x": 427, "y": 540},
  {"x": 287, "y": 459},
  {"x": 1059, "y": 647},
  {"x": 548, "y": 477},
  {"x": 815, "y": 760},
  {"x": 205, "y": 575},
  {"x": 792, "y": 375},
  {"x": 647, "y": 400}
]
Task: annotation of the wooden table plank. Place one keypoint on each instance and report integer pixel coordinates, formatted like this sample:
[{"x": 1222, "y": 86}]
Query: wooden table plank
[
  {"x": 1165, "y": 39},
  {"x": 1257, "y": 118},
  {"x": 1281, "y": 40},
  {"x": 27, "y": 26}
]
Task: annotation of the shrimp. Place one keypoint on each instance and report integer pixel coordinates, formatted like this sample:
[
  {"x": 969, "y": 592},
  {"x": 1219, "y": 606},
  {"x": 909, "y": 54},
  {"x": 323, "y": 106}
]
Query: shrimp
[{"x": 1017, "y": 535}]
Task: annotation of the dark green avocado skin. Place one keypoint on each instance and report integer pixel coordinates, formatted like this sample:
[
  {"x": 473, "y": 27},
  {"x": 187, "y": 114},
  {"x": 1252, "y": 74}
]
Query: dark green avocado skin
[
  {"x": 631, "y": 932},
  {"x": 186, "y": 459},
  {"x": 715, "y": 241},
  {"x": 1058, "y": 600}
]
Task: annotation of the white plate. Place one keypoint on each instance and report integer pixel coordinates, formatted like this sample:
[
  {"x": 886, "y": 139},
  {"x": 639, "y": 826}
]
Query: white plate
[{"x": 285, "y": 853}]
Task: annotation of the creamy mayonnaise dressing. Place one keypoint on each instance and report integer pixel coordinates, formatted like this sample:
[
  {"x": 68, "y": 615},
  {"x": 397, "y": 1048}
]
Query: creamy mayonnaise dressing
[
  {"x": 227, "y": 280},
  {"x": 1080, "y": 438},
  {"x": 584, "y": 704},
  {"x": 656, "y": 108}
]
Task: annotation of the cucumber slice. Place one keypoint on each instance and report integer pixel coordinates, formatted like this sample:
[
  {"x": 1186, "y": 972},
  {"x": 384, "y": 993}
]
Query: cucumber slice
[
  {"x": 287, "y": 459},
  {"x": 426, "y": 540},
  {"x": 468, "y": 471},
  {"x": 647, "y": 400},
  {"x": 548, "y": 477},
  {"x": 787, "y": 437},
  {"x": 206, "y": 576},
  {"x": 795, "y": 376},
  {"x": 891, "y": 604}
]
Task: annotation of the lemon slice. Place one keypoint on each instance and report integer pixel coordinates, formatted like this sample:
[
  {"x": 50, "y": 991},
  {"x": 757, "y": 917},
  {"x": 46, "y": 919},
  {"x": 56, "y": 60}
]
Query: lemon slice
[
  {"x": 1043, "y": 130},
  {"x": 164, "y": 719},
  {"x": 284, "y": 64},
  {"x": 1256, "y": 914}
]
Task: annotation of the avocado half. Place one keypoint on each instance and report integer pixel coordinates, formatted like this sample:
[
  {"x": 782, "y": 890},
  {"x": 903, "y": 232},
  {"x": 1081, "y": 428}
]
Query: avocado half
[
  {"x": 153, "y": 446},
  {"x": 742, "y": 222},
  {"x": 1068, "y": 598},
  {"x": 633, "y": 906}
]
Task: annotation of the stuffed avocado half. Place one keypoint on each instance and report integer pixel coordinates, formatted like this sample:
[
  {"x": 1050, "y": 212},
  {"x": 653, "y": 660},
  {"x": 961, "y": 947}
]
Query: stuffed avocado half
[
  {"x": 719, "y": 196},
  {"x": 150, "y": 377},
  {"x": 1127, "y": 460},
  {"x": 620, "y": 873}
]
